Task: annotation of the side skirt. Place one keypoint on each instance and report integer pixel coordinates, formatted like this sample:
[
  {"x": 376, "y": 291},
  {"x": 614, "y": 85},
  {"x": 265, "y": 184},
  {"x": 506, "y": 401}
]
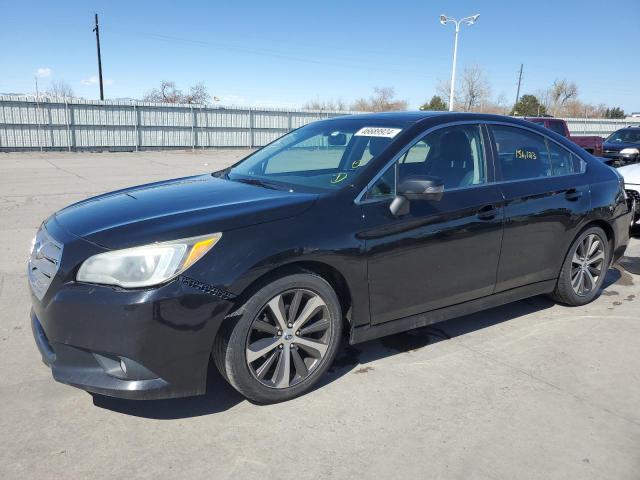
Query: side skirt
[{"x": 369, "y": 332}]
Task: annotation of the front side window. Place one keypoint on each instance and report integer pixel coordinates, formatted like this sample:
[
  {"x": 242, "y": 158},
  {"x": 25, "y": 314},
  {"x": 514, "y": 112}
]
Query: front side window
[
  {"x": 324, "y": 155},
  {"x": 453, "y": 154},
  {"x": 527, "y": 155}
]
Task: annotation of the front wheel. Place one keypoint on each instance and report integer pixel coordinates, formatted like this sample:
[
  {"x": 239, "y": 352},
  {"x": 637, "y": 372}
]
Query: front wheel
[
  {"x": 281, "y": 340},
  {"x": 584, "y": 268}
]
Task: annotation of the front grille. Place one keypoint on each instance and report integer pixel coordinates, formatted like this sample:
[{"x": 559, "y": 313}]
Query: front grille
[
  {"x": 635, "y": 195},
  {"x": 43, "y": 262}
]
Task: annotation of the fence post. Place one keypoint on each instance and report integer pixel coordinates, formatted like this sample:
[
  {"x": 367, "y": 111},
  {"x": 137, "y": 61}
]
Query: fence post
[
  {"x": 289, "y": 115},
  {"x": 193, "y": 125},
  {"x": 136, "y": 120},
  {"x": 68, "y": 119},
  {"x": 38, "y": 120},
  {"x": 72, "y": 124},
  {"x": 205, "y": 124},
  {"x": 250, "y": 128},
  {"x": 50, "y": 120}
]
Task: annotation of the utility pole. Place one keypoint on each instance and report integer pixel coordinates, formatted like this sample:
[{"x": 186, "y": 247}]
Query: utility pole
[
  {"x": 97, "y": 30},
  {"x": 519, "y": 83}
]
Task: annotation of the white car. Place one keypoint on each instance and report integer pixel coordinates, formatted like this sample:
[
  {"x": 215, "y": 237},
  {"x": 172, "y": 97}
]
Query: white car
[{"x": 631, "y": 175}]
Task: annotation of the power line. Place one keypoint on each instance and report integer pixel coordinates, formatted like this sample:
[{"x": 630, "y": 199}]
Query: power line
[{"x": 269, "y": 53}]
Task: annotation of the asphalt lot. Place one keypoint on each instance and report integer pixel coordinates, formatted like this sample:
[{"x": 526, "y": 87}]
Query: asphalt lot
[{"x": 530, "y": 390}]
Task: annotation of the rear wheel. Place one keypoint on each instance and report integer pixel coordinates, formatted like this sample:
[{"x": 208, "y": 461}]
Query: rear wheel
[
  {"x": 280, "y": 342},
  {"x": 584, "y": 268}
]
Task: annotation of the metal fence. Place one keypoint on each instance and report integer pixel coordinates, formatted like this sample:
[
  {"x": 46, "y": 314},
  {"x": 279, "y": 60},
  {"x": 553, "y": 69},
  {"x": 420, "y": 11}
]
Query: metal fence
[{"x": 37, "y": 123}]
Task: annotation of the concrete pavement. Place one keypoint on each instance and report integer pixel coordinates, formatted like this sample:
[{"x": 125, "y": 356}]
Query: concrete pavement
[{"x": 530, "y": 390}]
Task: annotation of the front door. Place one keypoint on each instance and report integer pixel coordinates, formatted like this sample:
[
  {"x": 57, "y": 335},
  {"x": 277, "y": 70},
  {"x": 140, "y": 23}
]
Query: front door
[{"x": 442, "y": 252}]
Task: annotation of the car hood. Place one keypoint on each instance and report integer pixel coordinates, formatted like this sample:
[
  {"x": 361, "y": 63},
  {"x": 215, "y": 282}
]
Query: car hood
[
  {"x": 631, "y": 173},
  {"x": 179, "y": 208}
]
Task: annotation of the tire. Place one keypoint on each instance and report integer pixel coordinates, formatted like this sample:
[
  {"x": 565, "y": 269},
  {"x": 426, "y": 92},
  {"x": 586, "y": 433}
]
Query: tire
[
  {"x": 575, "y": 286},
  {"x": 296, "y": 353}
]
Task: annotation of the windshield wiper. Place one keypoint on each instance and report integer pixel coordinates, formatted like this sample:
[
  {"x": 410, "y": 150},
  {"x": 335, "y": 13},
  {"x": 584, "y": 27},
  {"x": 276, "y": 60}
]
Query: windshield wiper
[{"x": 257, "y": 182}]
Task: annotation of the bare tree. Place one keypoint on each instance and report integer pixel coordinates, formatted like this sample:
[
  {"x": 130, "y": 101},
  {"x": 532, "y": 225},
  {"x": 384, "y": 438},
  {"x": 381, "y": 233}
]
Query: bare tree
[
  {"x": 60, "y": 88},
  {"x": 382, "y": 100},
  {"x": 331, "y": 104},
  {"x": 560, "y": 93},
  {"x": 497, "y": 106},
  {"x": 544, "y": 97},
  {"x": 169, "y": 93},
  {"x": 197, "y": 94},
  {"x": 474, "y": 88},
  {"x": 473, "y": 92}
]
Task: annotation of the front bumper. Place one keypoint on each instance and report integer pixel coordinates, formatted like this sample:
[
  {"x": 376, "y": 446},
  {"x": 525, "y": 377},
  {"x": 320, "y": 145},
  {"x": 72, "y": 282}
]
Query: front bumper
[
  {"x": 617, "y": 159},
  {"x": 80, "y": 368},
  {"x": 633, "y": 194},
  {"x": 129, "y": 344},
  {"x": 139, "y": 344}
]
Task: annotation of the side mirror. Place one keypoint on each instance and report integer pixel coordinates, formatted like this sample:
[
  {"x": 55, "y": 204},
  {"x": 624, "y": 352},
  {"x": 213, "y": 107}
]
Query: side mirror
[{"x": 416, "y": 188}]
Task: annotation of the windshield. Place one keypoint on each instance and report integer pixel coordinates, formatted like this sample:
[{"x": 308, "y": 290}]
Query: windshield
[
  {"x": 625, "y": 136},
  {"x": 322, "y": 155}
]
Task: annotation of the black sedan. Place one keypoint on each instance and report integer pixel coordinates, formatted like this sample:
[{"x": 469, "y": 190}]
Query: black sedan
[
  {"x": 623, "y": 146},
  {"x": 358, "y": 226}
]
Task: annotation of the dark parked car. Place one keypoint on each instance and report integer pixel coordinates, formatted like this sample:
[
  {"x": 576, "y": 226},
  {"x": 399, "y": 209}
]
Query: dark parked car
[
  {"x": 623, "y": 145},
  {"x": 361, "y": 225}
]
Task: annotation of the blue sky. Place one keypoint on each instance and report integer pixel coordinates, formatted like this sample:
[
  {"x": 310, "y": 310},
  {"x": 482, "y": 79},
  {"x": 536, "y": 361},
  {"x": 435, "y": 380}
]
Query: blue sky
[{"x": 283, "y": 53}]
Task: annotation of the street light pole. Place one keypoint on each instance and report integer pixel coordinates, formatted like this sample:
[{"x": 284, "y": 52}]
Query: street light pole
[
  {"x": 444, "y": 20},
  {"x": 453, "y": 69}
]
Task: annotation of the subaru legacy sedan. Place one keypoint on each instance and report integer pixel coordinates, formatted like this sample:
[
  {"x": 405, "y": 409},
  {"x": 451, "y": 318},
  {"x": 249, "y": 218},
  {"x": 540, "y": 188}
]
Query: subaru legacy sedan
[{"x": 358, "y": 227}]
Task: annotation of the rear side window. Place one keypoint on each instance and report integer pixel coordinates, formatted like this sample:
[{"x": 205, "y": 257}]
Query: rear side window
[{"x": 527, "y": 155}]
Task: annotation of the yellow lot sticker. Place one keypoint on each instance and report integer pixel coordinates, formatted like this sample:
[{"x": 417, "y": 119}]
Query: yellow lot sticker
[{"x": 339, "y": 177}]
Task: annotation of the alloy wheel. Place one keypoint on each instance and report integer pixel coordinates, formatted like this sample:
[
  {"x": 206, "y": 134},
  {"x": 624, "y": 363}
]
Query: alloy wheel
[
  {"x": 289, "y": 338},
  {"x": 587, "y": 264}
]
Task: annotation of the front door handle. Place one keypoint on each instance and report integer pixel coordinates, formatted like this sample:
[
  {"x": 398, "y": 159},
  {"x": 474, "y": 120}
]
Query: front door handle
[
  {"x": 488, "y": 212},
  {"x": 572, "y": 195}
]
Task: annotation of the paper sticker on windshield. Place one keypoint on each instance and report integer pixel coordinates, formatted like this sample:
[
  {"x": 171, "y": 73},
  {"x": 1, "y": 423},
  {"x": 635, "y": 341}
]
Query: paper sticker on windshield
[{"x": 378, "y": 132}]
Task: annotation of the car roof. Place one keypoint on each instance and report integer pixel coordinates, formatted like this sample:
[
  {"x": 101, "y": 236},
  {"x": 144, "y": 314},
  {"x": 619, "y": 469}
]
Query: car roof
[
  {"x": 417, "y": 116},
  {"x": 626, "y": 129}
]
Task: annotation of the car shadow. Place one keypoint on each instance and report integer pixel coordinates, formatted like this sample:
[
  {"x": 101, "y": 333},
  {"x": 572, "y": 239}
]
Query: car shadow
[
  {"x": 220, "y": 396},
  {"x": 352, "y": 356}
]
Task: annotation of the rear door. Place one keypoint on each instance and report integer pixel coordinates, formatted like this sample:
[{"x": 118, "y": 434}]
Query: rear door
[{"x": 546, "y": 195}]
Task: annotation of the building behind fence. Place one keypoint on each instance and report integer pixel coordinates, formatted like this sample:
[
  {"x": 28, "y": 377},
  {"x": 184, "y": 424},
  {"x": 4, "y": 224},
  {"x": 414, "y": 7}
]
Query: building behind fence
[{"x": 36, "y": 123}]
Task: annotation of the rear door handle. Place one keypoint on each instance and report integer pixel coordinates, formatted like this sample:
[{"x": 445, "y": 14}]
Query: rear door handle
[
  {"x": 572, "y": 195},
  {"x": 488, "y": 212}
]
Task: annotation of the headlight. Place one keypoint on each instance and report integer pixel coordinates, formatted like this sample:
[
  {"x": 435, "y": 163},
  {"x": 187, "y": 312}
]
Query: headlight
[
  {"x": 629, "y": 151},
  {"x": 146, "y": 265}
]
